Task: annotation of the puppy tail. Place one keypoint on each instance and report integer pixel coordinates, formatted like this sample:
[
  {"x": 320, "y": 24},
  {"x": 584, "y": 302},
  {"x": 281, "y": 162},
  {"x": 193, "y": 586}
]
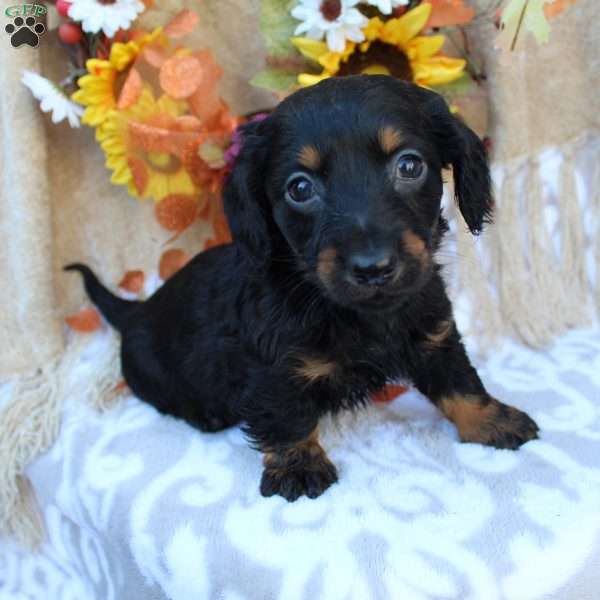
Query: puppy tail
[{"x": 114, "y": 309}]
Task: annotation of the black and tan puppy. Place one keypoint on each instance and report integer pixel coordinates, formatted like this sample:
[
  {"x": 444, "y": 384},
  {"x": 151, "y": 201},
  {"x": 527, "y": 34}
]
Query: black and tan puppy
[{"x": 331, "y": 287}]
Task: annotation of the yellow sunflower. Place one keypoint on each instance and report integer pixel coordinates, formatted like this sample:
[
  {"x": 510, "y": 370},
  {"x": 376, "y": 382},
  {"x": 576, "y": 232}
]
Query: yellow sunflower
[
  {"x": 416, "y": 57},
  {"x": 98, "y": 90},
  {"x": 132, "y": 139}
]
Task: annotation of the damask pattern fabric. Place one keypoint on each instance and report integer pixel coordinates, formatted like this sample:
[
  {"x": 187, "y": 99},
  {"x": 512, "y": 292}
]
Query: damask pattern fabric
[{"x": 141, "y": 506}]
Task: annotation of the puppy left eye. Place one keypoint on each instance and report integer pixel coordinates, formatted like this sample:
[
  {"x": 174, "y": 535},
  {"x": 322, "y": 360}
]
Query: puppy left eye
[
  {"x": 409, "y": 166},
  {"x": 300, "y": 189}
]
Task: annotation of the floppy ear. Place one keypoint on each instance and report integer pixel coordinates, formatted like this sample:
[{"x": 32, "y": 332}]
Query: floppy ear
[
  {"x": 463, "y": 150},
  {"x": 244, "y": 196}
]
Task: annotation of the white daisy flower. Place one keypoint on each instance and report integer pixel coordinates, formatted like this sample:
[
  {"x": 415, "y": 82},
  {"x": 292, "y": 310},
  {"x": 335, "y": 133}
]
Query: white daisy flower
[
  {"x": 386, "y": 6},
  {"x": 336, "y": 20},
  {"x": 52, "y": 98},
  {"x": 97, "y": 15}
]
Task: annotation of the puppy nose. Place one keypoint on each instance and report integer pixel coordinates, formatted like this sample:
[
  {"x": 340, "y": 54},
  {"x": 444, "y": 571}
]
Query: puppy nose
[{"x": 372, "y": 268}]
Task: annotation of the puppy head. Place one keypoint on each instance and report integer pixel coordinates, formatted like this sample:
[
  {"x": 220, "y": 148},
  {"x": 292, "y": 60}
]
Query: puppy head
[{"x": 344, "y": 178}]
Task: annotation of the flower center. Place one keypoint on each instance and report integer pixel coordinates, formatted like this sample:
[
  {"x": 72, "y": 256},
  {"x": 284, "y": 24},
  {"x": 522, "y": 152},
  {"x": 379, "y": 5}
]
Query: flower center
[
  {"x": 106, "y": 1},
  {"x": 379, "y": 59},
  {"x": 163, "y": 162},
  {"x": 331, "y": 9}
]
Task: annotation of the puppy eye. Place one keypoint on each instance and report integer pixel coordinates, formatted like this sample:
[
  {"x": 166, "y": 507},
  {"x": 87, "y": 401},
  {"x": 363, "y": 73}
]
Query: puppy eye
[
  {"x": 300, "y": 189},
  {"x": 409, "y": 166}
]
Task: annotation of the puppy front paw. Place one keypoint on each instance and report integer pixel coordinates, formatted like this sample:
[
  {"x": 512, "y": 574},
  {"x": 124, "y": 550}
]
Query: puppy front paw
[
  {"x": 305, "y": 478},
  {"x": 509, "y": 428},
  {"x": 490, "y": 422}
]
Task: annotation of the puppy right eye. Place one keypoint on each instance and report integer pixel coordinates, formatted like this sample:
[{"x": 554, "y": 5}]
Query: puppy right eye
[{"x": 300, "y": 189}]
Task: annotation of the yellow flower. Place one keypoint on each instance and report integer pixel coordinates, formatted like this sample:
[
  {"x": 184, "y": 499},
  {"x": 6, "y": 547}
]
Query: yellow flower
[
  {"x": 98, "y": 89},
  {"x": 130, "y": 139},
  {"x": 416, "y": 57}
]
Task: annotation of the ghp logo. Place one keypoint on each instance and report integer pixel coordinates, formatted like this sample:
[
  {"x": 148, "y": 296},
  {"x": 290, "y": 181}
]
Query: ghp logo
[{"x": 25, "y": 29}]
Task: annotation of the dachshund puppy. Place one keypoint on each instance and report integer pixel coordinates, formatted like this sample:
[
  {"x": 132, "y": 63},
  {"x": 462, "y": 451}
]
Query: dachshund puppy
[{"x": 330, "y": 288}]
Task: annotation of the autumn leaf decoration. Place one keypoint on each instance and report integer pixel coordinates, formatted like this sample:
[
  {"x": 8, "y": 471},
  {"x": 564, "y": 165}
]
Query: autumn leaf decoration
[
  {"x": 132, "y": 281},
  {"x": 171, "y": 261},
  {"x": 446, "y": 13},
  {"x": 161, "y": 121},
  {"x": 388, "y": 393},
  {"x": 555, "y": 8},
  {"x": 86, "y": 320},
  {"x": 520, "y": 16}
]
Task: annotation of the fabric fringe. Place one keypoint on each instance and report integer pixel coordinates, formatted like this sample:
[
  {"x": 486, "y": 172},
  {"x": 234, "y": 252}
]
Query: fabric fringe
[
  {"x": 31, "y": 423},
  {"x": 594, "y": 211},
  {"x": 475, "y": 272},
  {"x": 575, "y": 283},
  {"x": 536, "y": 286}
]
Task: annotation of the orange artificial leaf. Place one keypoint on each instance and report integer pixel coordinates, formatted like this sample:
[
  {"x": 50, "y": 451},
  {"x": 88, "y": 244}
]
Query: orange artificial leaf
[
  {"x": 131, "y": 90},
  {"x": 139, "y": 173},
  {"x": 200, "y": 173},
  {"x": 176, "y": 212},
  {"x": 160, "y": 138},
  {"x": 388, "y": 393},
  {"x": 132, "y": 281},
  {"x": 211, "y": 69},
  {"x": 208, "y": 107},
  {"x": 122, "y": 36},
  {"x": 121, "y": 386},
  {"x": 136, "y": 34},
  {"x": 222, "y": 235},
  {"x": 154, "y": 55},
  {"x": 181, "y": 24},
  {"x": 555, "y": 8},
  {"x": 188, "y": 123},
  {"x": 171, "y": 261},
  {"x": 85, "y": 321},
  {"x": 159, "y": 120},
  {"x": 180, "y": 76},
  {"x": 449, "y": 12}
]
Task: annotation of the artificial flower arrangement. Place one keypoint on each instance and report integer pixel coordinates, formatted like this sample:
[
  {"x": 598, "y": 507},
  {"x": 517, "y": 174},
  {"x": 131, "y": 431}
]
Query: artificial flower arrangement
[
  {"x": 422, "y": 41},
  {"x": 154, "y": 103},
  {"x": 166, "y": 133}
]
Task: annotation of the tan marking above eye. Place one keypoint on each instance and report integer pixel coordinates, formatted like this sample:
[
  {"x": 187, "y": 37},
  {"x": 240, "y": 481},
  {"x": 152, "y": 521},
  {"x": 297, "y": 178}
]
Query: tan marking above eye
[
  {"x": 389, "y": 138},
  {"x": 309, "y": 157}
]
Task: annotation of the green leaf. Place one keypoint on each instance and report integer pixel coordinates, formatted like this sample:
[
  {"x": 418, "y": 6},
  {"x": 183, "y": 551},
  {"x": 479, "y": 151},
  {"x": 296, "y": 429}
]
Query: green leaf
[
  {"x": 519, "y": 16},
  {"x": 460, "y": 86},
  {"x": 277, "y": 26},
  {"x": 275, "y": 80}
]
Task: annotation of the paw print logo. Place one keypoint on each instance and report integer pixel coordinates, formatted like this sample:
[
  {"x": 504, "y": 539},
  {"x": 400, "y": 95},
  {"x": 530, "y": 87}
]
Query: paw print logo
[{"x": 25, "y": 31}]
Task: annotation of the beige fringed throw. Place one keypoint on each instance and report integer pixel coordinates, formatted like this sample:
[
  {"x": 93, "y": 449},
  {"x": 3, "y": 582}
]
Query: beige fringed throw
[
  {"x": 57, "y": 205},
  {"x": 546, "y": 154}
]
